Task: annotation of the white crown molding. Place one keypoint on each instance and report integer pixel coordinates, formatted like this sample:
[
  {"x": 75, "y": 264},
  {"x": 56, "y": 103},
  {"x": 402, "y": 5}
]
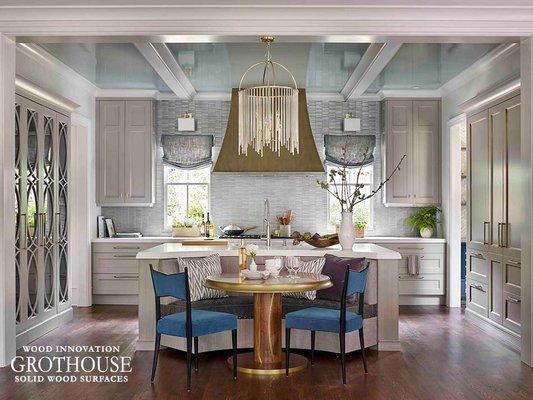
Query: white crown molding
[
  {"x": 216, "y": 96},
  {"x": 460, "y": 118},
  {"x": 423, "y": 93},
  {"x": 376, "y": 57},
  {"x": 30, "y": 89},
  {"x": 44, "y": 58},
  {"x": 127, "y": 93},
  {"x": 484, "y": 98},
  {"x": 483, "y": 64},
  {"x": 159, "y": 57},
  {"x": 239, "y": 18}
]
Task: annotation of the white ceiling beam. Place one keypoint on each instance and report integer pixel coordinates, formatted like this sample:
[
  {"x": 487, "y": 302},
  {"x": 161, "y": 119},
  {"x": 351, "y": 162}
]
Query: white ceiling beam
[
  {"x": 376, "y": 57},
  {"x": 166, "y": 66}
]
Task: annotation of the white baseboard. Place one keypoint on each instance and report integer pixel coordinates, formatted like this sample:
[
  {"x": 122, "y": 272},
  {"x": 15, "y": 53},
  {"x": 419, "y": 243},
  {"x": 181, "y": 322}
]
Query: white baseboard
[
  {"x": 422, "y": 300},
  {"x": 503, "y": 334},
  {"x": 116, "y": 299},
  {"x": 35, "y": 332}
]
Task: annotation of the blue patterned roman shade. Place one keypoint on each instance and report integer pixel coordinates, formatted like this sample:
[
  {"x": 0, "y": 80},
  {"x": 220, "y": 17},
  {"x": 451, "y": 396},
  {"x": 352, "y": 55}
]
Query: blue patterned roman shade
[
  {"x": 187, "y": 151},
  {"x": 356, "y": 146}
]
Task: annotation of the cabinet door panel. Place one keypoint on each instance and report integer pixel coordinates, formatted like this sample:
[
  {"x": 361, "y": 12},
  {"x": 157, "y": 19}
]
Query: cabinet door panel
[
  {"x": 426, "y": 157},
  {"x": 512, "y": 310},
  {"x": 513, "y": 179},
  {"x": 477, "y": 266},
  {"x": 497, "y": 124},
  {"x": 138, "y": 152},
  {"x": 110, "y": 151},
  {"x": 477, "y": 297},
  {"x": 512, "y": 281},
  {"x": 496, "y": 289},
  {"x": 399, "y": 142},
  {"x": 478, "y": 179}
]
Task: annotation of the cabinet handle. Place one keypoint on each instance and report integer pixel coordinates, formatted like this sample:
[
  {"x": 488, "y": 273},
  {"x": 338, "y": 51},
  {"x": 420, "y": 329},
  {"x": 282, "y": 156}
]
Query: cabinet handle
[
  {"x": 126, "y": 276},
  {"x": 485, "y": 223},
  {"x": 513, "y": 300},
  {"x": 512, "y": 262},
  {"x": 410, "y": 248},
  {"x": 506, "y": 230},
  {"x": 478, "y": 287},
  {"x": 124, "y": 255},
  {"x": 500, "y": 234},
  {"x": 126, "y": 248},
  {"x": 415, "y": 277},
  {"x": 477, "y": 255}
]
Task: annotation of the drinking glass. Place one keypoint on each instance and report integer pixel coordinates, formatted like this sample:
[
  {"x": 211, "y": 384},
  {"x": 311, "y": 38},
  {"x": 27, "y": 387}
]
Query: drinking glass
[{"x": 293, "y": 266}]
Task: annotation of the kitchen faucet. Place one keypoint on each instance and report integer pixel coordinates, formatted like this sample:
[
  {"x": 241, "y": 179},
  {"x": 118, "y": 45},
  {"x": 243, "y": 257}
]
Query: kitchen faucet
[{"x": 266, "y": 222}]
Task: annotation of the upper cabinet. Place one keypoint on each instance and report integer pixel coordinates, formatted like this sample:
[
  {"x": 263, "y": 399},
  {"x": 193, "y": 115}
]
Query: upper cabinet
[
  {"x": 124, "y": 151},
  {"x": 412, "y": 128},
  {"x": 494, "y": 178}
]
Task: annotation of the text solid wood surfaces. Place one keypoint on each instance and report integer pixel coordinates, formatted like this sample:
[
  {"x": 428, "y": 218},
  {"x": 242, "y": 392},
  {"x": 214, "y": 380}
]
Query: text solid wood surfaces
[
  {"x": 412, "y": 127},
  {"x": 125, "y": 149},
  {"x": 494, "y": 226}
]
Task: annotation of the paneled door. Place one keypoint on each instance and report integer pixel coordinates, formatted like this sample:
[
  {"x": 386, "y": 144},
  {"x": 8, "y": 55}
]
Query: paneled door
[
  {"x": 478, "y": 234},
  {"x": 41, "y": 148}
]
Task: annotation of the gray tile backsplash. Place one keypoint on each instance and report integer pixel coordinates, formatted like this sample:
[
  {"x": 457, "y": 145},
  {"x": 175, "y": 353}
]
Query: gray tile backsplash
[{"x": 238, "y": 198}]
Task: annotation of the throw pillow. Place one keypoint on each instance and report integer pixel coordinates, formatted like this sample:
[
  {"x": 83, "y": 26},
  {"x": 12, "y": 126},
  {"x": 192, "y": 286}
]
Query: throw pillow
[
  {"x": 335, "y": 267},
  {"x": 311, "y": 267},
  {"x": 200, "y": 268}
]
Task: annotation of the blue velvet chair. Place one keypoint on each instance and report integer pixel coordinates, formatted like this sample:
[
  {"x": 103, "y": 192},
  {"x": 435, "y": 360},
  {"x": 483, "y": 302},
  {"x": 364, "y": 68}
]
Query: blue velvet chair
[
  {"x": 188, "y": 324},
  {"x": 332, "y": 320}
]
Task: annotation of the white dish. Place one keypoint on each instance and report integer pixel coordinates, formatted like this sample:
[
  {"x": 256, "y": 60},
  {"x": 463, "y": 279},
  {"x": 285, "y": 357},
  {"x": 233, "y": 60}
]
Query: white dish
[{"x": 255, "y": 274}]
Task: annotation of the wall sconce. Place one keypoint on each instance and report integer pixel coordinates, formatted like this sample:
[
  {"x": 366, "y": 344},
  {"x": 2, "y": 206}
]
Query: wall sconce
[
  {"x": 351, "y": 124},
  {"x": 186, "y": 122}
]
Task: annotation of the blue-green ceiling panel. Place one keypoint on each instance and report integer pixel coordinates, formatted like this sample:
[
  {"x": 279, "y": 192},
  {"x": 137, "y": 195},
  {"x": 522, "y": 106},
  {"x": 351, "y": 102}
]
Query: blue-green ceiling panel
[{"x": 108, "y": 65}]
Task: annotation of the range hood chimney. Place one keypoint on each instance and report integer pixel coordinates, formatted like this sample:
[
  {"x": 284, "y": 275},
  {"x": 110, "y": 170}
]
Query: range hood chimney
[{"x": 307, "y": 160}]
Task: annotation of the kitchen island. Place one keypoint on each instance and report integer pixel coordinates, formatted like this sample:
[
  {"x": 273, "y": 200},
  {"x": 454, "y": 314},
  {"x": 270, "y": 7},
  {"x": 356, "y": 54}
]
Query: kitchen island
[{"x": 382, "y": 288}]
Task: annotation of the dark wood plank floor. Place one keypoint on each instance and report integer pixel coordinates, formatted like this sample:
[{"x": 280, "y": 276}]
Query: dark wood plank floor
[{"x": 443, "y": 357}]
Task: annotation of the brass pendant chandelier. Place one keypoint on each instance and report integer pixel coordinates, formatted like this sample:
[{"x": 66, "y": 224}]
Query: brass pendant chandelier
[{"x": 268, "y": 114}]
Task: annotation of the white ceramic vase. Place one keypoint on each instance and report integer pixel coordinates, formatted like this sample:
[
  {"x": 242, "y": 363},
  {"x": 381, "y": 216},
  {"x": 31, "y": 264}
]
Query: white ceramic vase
[
  {"x": 426, "y": 232},
  {"x": 346, "y": 231},
  {"x": 253, "y": 265}
]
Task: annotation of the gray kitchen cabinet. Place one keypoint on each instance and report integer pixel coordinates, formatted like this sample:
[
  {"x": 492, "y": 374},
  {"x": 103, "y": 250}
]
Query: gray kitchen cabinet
[
  {"x": 493, "y": 236},
  {"x": 412, "y": 128},
  {"x": 125, "y": 148}
]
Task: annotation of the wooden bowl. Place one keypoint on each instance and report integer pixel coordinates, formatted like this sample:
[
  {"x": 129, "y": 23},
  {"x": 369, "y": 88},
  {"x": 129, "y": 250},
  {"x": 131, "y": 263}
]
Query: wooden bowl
[{"x": 317, "y": 240}]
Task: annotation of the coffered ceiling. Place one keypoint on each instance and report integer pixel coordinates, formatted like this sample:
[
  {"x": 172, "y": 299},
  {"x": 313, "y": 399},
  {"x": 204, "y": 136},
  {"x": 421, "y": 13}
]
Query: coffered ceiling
[{"x": 189, "y": 69}]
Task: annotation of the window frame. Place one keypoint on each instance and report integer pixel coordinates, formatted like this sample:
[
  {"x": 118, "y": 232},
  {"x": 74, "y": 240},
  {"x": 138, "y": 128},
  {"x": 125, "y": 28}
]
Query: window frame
[
  {"x": 370, "y": 226},
  {"x": 166, "y": 226}
]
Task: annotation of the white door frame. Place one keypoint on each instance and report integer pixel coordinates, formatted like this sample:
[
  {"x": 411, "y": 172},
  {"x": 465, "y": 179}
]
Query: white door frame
[{"x": 451, "y": 204}]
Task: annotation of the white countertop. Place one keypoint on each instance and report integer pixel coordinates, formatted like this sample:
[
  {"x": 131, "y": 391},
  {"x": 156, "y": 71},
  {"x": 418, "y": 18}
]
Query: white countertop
[
  {"x": 169, "y": 239},
  {"x": 174, "y": 250}
]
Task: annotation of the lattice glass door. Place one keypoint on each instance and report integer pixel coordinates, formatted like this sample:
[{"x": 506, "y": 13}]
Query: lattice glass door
[{"x": 41, "y": 219}]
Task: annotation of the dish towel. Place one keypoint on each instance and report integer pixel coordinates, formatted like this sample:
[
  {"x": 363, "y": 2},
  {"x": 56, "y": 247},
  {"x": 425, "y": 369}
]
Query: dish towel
[{"x": 413, "y": 267}]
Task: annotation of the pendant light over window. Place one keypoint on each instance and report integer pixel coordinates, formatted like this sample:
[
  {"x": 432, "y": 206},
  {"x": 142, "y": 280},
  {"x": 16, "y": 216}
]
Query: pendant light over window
[{"x": 268, "y": 114}]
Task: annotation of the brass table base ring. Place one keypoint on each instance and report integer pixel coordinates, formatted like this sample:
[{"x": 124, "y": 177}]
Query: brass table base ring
[{"x": 246, "y": 365}]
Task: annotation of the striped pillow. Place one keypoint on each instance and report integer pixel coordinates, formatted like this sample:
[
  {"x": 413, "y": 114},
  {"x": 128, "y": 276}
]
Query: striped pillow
[
  {"x": 200, "y": 268},
  {"x": 310, "y": 267}
]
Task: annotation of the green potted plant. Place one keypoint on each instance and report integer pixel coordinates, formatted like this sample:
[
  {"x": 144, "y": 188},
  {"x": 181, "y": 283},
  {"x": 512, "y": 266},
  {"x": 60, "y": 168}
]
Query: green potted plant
[
  {"x": 185, "y": 227},
  {"x": 360, "y": 226},
  {"x": 425, "y": 220}
]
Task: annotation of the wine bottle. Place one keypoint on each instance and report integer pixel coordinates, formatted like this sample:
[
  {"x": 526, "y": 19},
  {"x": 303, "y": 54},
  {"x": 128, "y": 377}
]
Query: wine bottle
[{"x": 207, "y": 223}]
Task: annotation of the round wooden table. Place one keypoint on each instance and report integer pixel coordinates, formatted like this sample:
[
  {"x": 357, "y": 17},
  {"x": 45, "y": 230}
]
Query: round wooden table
[{"x": 266, "y": 358}]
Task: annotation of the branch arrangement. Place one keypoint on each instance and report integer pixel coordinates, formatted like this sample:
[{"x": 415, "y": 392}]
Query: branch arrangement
[{"x": 341, "y": 190}]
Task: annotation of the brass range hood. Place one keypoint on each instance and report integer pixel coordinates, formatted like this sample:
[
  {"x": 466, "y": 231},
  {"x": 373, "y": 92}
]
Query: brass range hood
[{"x": 307, "y": 160}]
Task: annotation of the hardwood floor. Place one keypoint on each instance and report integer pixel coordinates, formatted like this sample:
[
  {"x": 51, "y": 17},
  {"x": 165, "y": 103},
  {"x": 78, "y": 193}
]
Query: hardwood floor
[{"x": 443, "y": 357}]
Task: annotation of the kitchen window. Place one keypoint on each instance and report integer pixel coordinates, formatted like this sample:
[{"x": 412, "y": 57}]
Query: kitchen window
[
  {"x": 362, "y": 211},
  {"x": 186, "y": 193}
]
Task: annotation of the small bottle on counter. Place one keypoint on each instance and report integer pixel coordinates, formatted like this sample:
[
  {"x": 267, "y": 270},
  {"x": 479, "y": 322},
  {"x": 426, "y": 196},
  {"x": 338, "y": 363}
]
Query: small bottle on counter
[
  {"x": 206, "y": 226},
  {"x": 201, "y": 226},
  {"x": 211, "y": 229},
  {"x": 242, "y": 256}
]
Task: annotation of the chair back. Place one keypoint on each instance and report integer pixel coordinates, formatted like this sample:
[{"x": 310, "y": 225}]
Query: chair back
[
  {"x": 174, "y": 285},
  {"x": 354, "y": 283}
]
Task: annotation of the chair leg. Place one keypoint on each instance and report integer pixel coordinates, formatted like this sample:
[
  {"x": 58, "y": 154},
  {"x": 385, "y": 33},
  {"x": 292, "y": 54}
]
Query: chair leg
[
  {"x": 189, "y": 362},
  {"x": 287, "y": 349},
  {"x": 312, "y": 347},
  {"x": 156, "y": 354},
  {"x": 362, "y": 342},
  {"x": 234, "y": 342},
  {"x": 196, "y": 353},
  {"x": 342, "y": 341}
]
